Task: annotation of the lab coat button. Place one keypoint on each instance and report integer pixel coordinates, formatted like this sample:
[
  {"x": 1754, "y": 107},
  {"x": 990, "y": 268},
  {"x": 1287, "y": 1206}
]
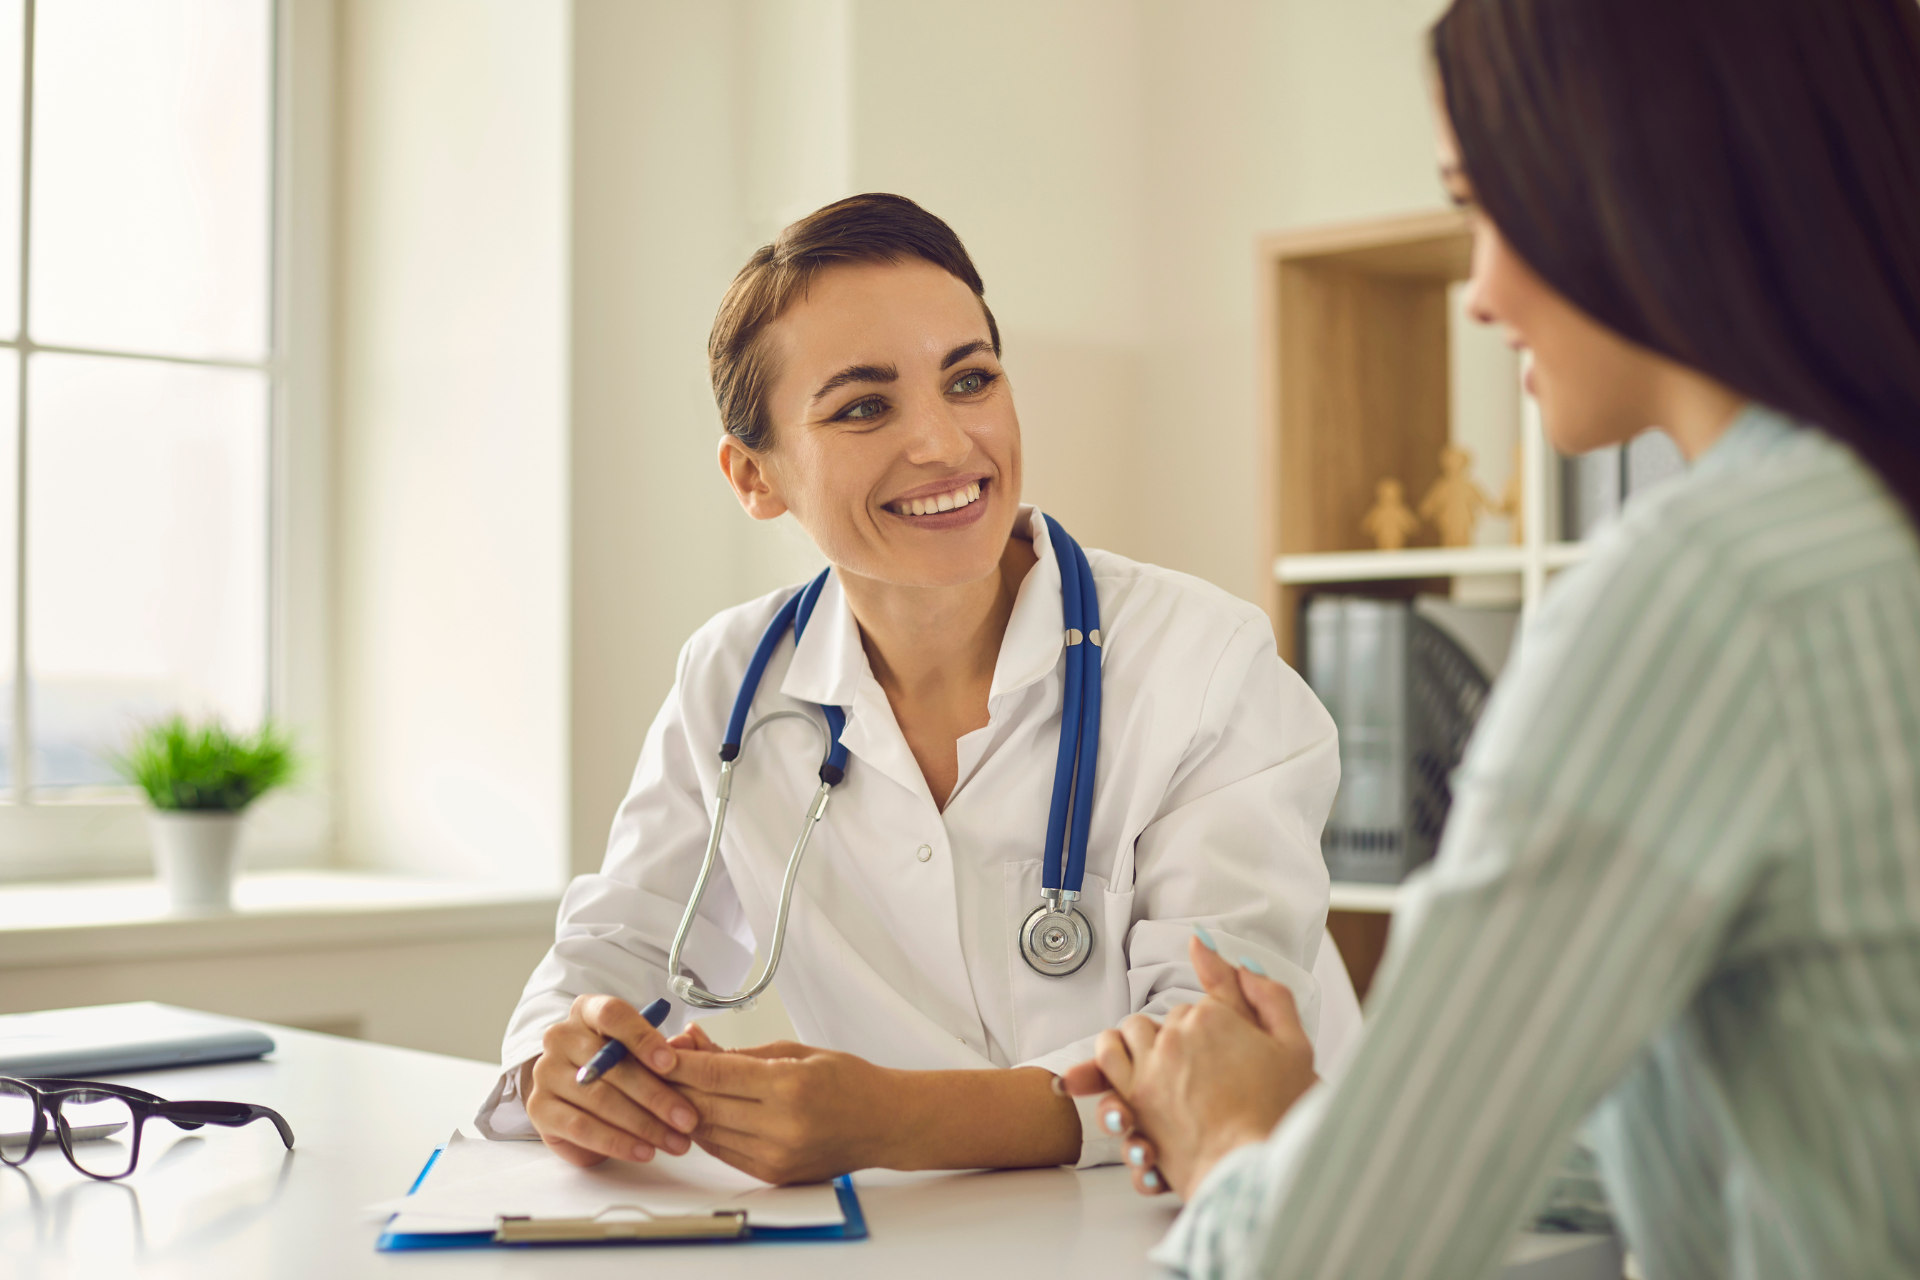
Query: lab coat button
[{"x": 924, "y": 852}]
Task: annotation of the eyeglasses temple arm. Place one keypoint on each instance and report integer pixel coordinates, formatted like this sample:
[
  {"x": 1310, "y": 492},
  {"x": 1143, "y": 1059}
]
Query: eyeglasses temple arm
[{"x": 231, "y": 1115}]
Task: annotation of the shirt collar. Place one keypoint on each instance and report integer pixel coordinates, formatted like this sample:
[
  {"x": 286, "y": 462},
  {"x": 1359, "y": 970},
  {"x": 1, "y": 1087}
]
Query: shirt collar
[
  {"x": 830, "y": 663},
  {"x": 1753, "y": 431}
]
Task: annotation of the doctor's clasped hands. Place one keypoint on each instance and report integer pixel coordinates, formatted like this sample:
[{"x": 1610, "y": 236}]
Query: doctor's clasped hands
[{"x": 784, "y": 1112}]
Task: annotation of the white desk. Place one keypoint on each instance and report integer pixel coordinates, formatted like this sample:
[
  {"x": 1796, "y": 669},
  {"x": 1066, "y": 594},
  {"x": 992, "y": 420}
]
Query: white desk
[{"x": 230, "y": 1203}]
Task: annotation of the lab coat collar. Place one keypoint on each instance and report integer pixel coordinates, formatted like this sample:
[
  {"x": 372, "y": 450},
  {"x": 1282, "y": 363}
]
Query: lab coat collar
[
  {"x": 1035, "y": 633},
  {"x": 830, "y": 664}
]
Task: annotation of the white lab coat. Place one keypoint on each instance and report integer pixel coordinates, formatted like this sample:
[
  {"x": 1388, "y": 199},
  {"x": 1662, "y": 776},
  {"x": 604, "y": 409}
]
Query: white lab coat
[{"x": 1217, "y": 767}]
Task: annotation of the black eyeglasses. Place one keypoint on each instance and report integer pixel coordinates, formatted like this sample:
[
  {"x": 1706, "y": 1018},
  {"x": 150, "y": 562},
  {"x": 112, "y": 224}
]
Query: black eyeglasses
[{"x": 99, "y": 1125}]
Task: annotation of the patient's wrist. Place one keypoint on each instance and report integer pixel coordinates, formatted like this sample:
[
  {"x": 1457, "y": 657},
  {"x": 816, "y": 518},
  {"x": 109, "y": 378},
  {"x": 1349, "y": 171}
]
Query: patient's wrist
[{"x": 1215, "y": 1147}]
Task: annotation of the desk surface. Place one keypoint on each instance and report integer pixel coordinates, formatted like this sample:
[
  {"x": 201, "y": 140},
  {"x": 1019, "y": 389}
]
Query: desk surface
[{"x": 231, "y": 1202}]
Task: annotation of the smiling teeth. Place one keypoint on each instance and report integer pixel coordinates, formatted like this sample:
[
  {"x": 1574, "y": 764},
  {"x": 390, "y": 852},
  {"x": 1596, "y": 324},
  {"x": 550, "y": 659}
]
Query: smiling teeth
[{"x": 963, "y": 496}]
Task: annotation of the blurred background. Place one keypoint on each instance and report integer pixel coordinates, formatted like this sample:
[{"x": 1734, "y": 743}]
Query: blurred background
[{"x": 352, "y": 373}]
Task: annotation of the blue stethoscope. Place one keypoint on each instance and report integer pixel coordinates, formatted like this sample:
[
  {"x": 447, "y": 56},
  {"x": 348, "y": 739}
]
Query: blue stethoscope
[{"x": 1055, "y": 939}]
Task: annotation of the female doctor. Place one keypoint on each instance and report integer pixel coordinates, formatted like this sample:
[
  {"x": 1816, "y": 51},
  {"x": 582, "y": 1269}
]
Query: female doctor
[{"x": 857, "y": 371}]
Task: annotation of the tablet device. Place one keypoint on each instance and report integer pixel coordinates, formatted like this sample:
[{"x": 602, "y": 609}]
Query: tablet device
[{"x": 76, "y": 1044}]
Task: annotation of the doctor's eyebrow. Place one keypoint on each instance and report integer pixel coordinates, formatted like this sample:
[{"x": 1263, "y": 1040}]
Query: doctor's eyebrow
[
  {"x": 856, "y": 373},
  {"x": 964, "y": 350}
]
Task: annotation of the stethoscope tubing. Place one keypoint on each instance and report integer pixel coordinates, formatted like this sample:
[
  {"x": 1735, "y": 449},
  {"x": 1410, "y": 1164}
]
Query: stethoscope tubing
[
  {"x": 1088, "y": 737},
  {"x": 1064, "y": 860}
]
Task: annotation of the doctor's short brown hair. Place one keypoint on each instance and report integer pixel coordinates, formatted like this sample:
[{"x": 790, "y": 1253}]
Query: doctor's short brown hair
[{"x": 875, "y": 227}]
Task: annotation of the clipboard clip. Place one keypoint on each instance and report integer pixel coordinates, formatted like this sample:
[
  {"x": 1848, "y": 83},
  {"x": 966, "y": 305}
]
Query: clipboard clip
[{"x": 602, "y": 1228}]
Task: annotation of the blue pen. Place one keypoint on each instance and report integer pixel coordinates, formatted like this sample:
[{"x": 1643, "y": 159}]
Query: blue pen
[{"x": 613, "y": 1051}]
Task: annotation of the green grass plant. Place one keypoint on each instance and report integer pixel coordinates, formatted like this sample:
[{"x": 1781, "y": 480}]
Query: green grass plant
[{"x": 203, "y": 767}]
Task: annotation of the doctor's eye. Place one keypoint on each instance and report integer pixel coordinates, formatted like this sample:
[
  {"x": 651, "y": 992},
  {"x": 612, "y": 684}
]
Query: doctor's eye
[
  {"x": 861, "y": 410},
  {"x": 972, "y": 382}
]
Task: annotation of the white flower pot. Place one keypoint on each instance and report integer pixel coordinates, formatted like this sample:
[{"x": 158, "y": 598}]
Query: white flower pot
[{"x": 194, "y": 851}]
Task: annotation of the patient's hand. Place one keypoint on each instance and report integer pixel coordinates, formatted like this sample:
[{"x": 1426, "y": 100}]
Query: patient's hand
[
  {"x": 784, "y": 1112},
  {"x": 1213, "y": 1077}
]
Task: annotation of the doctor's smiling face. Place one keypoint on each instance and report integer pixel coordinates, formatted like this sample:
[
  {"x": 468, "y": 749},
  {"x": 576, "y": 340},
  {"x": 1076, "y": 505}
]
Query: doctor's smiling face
[{"x": 893, "y": 436}]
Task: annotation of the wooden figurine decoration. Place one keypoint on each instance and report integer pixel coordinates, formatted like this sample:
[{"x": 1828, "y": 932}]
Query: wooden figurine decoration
[
  {"x": 1455, "y": 503},
  {"x": 1391, "y": 522}
]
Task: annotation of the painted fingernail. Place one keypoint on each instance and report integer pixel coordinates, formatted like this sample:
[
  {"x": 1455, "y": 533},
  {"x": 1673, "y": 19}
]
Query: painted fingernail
[
  {"x": 1150, "y": 1180},
  {"x": 1136, "y": 1155},
  {"x": 1252, "y": 966},
  {"x": 662, "y": 1060},
  {"x": 684, "y": 1119},
  {"x": 1113, "y": 1121},
  {"x": 1059, "y": 1087},
  {"x": 1206, "y": 939}
]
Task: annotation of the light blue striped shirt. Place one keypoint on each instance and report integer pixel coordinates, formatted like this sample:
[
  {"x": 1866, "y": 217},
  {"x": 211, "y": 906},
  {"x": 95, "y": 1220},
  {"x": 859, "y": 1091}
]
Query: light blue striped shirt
[{"x": 1679, "y": 893}]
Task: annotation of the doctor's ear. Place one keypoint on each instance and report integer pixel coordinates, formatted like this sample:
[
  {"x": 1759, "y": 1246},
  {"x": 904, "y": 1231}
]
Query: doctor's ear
[{"x": 747, "y": 474}]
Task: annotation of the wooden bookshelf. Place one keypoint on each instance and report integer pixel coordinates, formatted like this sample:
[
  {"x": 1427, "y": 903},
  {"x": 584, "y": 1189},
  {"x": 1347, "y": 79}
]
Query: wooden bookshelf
[{"x": 1356, "y": 374}]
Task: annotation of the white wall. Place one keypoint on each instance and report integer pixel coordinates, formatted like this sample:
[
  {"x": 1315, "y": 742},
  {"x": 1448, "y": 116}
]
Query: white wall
[
  {"x": 1109, "y": 164},
  {"x": 1022, "y": 126},
  {"x": 540, "y": 204},
  {"x": 450, "y": 491},
  {"x": 1262, "y": 117}
]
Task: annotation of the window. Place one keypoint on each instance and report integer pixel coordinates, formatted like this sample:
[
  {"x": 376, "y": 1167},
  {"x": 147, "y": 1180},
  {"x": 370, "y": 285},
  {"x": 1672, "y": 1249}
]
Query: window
[{"x": 138, "y": 375}]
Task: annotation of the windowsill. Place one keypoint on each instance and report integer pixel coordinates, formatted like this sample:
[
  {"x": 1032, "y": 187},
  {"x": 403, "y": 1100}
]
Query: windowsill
[{"x": 98, "y": 921}]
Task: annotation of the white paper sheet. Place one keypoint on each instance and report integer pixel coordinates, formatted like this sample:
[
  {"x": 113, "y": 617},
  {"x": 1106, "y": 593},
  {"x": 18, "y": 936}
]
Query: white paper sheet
[{"x": 475, "y": 1182}]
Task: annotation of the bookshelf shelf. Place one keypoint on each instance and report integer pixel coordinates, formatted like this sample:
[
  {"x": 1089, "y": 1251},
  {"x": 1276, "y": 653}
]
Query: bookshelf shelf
[
  {"x": 1387, "y": 566},
  {"x": 1420, "y": 562},
  {"x": 1561, "y": 555},
  {"x": 1374, "y": 898}
]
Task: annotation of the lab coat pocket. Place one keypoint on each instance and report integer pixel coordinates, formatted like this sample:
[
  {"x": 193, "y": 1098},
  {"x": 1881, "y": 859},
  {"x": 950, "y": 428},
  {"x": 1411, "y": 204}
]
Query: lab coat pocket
[{"x": 1050, "y": 1013}]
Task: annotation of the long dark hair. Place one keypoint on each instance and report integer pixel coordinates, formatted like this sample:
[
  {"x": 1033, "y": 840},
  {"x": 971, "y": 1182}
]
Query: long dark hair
[{"x": 1732, "y": 183}]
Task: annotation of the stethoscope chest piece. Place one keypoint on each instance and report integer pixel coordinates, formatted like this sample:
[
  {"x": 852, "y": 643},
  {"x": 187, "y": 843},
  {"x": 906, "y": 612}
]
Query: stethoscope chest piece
[{"x": 1056, "y": 940}]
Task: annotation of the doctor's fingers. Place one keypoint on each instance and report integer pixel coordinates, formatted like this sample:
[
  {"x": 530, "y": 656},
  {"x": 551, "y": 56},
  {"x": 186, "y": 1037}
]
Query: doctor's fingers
[
  {"x": 627, "y": 1098},
  {"x": 748, "y": 1153},
  {"x": 734, "y": 1074},
  {"x": 695, "y": 1037},
  {"x": 580, "y": 1138},
  {"x": 610, "y": 1016},
  {"x": 570, "y": 1046},
  {"x": 732, "y": 1121}
]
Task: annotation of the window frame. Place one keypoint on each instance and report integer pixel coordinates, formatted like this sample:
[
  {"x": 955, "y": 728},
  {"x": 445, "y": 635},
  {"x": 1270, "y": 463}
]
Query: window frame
[{"x": 101, "y": 831}]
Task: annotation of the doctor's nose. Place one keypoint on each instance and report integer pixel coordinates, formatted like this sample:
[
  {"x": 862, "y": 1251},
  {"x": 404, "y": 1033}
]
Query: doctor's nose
[{"x": 936, "y": 439}]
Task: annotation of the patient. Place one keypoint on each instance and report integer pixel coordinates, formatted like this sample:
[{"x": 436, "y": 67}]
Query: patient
[{"x": 1679, "y": 897}]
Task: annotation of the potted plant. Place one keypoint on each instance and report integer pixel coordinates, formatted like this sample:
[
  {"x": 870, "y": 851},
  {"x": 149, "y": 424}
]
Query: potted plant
[{"x": 200, "y": 778}]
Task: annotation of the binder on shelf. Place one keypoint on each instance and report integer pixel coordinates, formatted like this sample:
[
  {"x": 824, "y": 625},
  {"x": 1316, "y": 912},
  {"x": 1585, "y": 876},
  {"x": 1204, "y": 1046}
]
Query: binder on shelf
[
  {"x": 1594, "y": 486},
  {"x": 1405, "y": 684}
]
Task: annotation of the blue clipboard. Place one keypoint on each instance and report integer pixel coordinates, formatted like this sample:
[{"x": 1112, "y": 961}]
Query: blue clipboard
[{"x": 854, "y": 1228}]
